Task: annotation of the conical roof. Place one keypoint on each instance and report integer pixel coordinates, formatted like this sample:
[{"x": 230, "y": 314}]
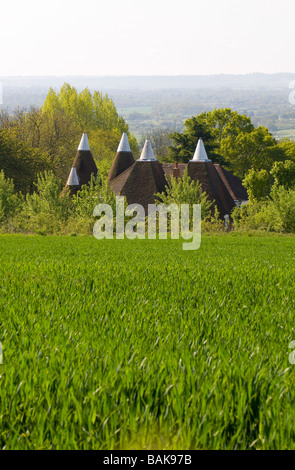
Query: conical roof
[
  {"x": 147, "y": 154},
  {"x": 124, "y": 144},
  {"x": 206, "y": 173},
  {"x": 73, "y": 179},
  {"x": 141, "y": 182},
  {"x": 200, "y": 153},
  {"x": 123, "y": 159},
  {"x": 84, "y": 144},
  {"x": 84, "y": 163}
]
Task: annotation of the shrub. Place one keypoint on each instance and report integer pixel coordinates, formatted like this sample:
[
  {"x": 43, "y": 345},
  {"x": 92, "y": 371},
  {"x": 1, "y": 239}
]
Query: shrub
[
  {"x": 186, "y": 191},
  {"x": 10, "y": 202},
  {"x": 276, "y": 214},
  {"x": 47, "y": 209}
]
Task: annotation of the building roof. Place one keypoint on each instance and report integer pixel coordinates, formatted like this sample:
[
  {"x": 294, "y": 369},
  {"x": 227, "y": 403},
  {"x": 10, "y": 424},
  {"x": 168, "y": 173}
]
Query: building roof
[
  {"x": 84, "y": 144},
  {"x": 124, "y": 144},
  {"x": 207, "y": 174},
  {"x": 123, "y": 159},
  {"x": 233, "y": 183},
  {"x": 220, "y": 185},
  {"x": 140, "y": 182},
  {"x": 147, "y": 154},
  {"x": 84, "y": 163},
  {"x": 200, "y": 154},
  {"x": 73, "y": 179}
]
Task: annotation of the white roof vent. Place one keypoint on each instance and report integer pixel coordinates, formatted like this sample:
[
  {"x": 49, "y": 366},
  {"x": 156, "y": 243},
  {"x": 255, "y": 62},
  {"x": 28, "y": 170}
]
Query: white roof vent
[
  {"x": 147, "y": 154},
  {"x": 84, "y": 145},
  {"x": 73, "y": 179},
  {"x": 124, "y": 144},
  {"x": 200, "y": 153}
]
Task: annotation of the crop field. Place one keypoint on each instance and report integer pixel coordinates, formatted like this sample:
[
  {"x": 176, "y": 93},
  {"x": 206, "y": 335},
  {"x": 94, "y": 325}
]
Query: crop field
[{"x": 136, "y": 344}]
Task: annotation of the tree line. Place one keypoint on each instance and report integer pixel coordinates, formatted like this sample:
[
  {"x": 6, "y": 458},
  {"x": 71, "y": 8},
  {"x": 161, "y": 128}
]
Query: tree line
[{"x": 37, "y": 148}]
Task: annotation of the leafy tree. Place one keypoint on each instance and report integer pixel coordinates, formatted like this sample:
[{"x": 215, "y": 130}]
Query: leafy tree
[
  {"x": 48, "y": 208},
  {"x": 276, "y": 213},
  {"x": 256, "y": 150},
  {"x": 226, "y": 123},
  {"x": 258, "y": 184},
  {"x": 284, "y": 174},
  {"x": 288, "y": 147},
  {"x": 10, "y": 202},
  {"x": 283, "y": 201},
  {"x": 212, "y": 127},
  {"x": 184, "y": 144},
  {"x": 186, "y": 191},
  {"x": 55, "y": 130},
  {"x": 230, "y": 139},
  {"x": 20, "y": 161}
]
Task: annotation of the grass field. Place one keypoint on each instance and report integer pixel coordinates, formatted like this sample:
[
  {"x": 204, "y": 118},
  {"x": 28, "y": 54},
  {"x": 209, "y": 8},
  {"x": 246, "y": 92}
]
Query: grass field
[{"x": 140, "y": 345}]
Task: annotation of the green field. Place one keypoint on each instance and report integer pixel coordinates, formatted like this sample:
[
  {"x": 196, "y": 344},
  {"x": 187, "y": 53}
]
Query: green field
[{"x": 140, "y": 345}]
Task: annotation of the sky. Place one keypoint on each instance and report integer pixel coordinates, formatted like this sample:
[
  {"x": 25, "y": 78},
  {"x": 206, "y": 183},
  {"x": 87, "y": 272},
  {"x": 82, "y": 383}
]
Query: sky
[{"x": 157, "y": 37}]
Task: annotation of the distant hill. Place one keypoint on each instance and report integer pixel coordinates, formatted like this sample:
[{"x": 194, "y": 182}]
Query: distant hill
[
  {"x": 147, "y": 102},
  {"x": 104, "y": 83}
]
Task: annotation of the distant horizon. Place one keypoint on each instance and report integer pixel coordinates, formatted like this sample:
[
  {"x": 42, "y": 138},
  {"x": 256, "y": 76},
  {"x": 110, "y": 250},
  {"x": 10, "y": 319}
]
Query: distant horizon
[{"x": 145, "y": 75}]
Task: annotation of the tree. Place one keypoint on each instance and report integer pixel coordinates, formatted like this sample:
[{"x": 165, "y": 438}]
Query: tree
[
  {"x": 10, "y": 202},
  {"x": 53, "y": 132},
  {"x": 226, "y": 123},
  {"x": 185, "y": 143},
  {"x": 20, "y": 161},
  {"x": 288, "y": 147},
  {"x": 258, "y": 184},
  {"x": 284, "y": 174},
  {"x": 48, "y": 208},
  {"x": 186, "y": 191},
  {"x": 256, "y": 150},
  {"x": 212, "y": 127}
]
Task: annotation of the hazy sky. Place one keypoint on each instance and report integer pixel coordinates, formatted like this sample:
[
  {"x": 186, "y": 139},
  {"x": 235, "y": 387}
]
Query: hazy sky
[{"x": 156, "y": 37}]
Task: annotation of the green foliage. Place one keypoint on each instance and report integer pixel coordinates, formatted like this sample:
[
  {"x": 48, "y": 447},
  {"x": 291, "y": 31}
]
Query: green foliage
[
  {"x": 47, "y": 209},
  {"x": 19, "y": 161},
  {"x": 262, "y": 216},
  {"x": 275, "y": 214},
  {"x": 288, "y": 147},
  {"x": 186, "y": 191},
  {"x": 226, "y": 123},
  {"x": 256, "y": 150},
  {"x": 258, "y": 184},
  {"x": 283, "y": 200},
  {"x": 10, "y": 202},
  {"x": 47, "y": 138},
  {"x": 212, "y": 127},
  {"x": 68, "y": 114},
  {"x": 230, "y": 139},
  {"x": 184, "y": 144},
  {"x": 84, "y": 110},
  {"x": 87, "y": 198},
  {"x": 284, "y": 173}
]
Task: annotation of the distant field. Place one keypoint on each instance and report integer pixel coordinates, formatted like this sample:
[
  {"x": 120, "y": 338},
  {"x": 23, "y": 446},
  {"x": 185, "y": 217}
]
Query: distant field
[
  {"x": 135, "y": 109},
  {"x": 290, "y": 133},
  {"x": 140, "y": 345}
]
